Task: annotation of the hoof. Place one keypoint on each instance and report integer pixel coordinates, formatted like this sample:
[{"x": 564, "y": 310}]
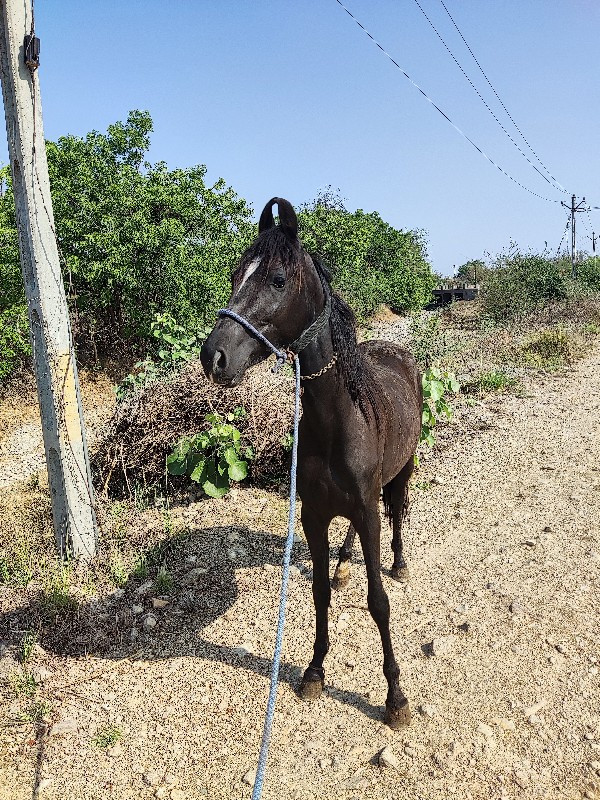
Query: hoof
[
  {"x": 312, "y": 685},
  {"x": 341, "y": 576},
  {"x": 400, "y": 574},
  {"x": 310, "y": 690},
  {"x": 396, "y": 718}
]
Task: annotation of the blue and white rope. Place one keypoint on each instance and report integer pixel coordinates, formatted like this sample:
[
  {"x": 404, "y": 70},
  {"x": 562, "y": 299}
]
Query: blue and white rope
[{"x": 270, "y": 713}]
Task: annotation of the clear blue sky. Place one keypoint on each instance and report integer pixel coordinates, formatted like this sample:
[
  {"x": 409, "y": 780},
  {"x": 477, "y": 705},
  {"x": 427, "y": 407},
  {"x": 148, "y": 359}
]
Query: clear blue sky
[{"x": 283, "y": 98}]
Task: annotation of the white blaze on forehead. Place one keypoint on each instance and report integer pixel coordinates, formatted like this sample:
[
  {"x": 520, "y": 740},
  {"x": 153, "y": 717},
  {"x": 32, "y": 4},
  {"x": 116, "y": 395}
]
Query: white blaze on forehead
[{"x": 250, "y": 270}]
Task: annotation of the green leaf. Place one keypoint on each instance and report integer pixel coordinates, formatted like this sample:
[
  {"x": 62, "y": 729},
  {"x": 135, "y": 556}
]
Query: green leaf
[
  {"x": 230, "y": 455},
  {"x": 238, "y": 471},
  {"x": 215, "y": 485},
  {"x": 212, "y": 490},
  {"x": 427, "y": 416},
  {"x": 436, "y": 390},
  {"x": 176, "y": 464},
  {"x": 199, "y": 471}
]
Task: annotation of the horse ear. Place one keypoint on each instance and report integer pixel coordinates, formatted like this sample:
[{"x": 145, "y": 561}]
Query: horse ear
[
  {"x": 266, "y": 220},
  {"x": 287, "y": 218}
]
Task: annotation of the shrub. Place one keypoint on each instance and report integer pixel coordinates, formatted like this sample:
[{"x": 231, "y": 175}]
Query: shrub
[
  {"x": 521, "y": 282},
  {"x": 551, "y": 349},
  {"x": 214, "y": 457},
  {"x": 15, "y": 347},
  {"x": 425, "y": 338},
  {"x": 372, "y": 263},
  {"x": 436, "y": 386},
  {"x": 588, "y": 274},
  {"x": 175, "y": 348}
]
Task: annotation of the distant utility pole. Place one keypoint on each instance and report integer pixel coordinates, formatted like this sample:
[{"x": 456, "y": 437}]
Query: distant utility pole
[
  {"x": 53, "y": 356},
  {"x": 573, "y": 208}
]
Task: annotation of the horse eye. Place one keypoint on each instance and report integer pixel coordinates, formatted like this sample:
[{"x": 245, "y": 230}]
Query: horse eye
[{"x": 279, "y": 281}]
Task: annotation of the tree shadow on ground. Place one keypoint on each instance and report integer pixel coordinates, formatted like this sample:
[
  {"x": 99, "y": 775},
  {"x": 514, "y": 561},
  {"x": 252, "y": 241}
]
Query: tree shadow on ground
[{"x": 195, "y": 574}]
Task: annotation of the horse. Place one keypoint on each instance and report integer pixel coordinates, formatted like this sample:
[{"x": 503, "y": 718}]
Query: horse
[{"x": 360, "y": 425}]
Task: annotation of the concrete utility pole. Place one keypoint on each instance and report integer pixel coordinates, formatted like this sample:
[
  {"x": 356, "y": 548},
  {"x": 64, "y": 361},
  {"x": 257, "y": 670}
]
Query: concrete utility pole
[
  {"x": 573, "y": 208},
  {"x": 53, "y": 356}
]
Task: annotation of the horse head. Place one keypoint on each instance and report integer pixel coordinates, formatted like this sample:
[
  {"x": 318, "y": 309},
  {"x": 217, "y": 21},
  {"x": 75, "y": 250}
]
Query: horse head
[{"x": 276, "y": 288}]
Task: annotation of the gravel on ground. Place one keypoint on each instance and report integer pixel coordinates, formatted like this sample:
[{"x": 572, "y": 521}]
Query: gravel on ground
[{"x": 497, "y": 636}]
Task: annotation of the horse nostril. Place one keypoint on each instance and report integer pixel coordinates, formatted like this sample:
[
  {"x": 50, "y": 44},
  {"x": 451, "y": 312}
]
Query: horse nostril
[{"x": 219, "y": 361}]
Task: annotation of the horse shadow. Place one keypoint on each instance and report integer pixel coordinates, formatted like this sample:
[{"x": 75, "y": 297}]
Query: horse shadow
[{"x": 185, "y": 583}]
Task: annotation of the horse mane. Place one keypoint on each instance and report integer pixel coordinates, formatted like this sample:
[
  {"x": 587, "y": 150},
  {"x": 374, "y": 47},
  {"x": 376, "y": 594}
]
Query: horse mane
[{"x": 351, "y": 363}]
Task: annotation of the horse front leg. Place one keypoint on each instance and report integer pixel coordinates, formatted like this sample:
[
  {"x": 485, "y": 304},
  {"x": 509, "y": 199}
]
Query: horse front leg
[
  {"x": 397, "y": 709},
  {"x": 315, "y": 529}
]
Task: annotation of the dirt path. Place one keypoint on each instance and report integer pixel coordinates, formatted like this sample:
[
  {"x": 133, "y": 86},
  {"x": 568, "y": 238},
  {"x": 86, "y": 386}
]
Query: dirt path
[{"x": 504, "y": 549}]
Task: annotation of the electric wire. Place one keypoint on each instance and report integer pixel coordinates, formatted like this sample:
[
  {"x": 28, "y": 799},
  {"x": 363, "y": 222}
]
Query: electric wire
[
  {"x": 508, "y": 114},
  {"x": 482, "y": 98},
  {"x": 589, "y": 223},
  {"x": 437, "y": 108}
]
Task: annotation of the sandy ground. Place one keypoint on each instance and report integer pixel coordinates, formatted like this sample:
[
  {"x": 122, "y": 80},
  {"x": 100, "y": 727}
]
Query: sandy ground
[
  {"x": 503, "y": 544},
  {"x": 21, "y": 441}
]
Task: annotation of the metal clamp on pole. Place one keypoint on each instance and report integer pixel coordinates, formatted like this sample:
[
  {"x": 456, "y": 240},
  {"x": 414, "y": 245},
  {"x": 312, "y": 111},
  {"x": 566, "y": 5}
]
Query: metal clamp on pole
[{"x": 31, "y": 51}]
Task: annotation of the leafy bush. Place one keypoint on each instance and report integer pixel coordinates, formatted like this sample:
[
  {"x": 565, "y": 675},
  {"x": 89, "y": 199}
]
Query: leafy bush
[
  {"x": 436, "y": 386},
  {"x": 15, "y": 346},
  {"x": 424, "y": 333},
  {"x": 212, "y": 458},
  {"x": 371, "y": 262},
  {"x": 136, "y": 239},
  {"x": 519, "y": 283},
  {"x": 588, "y": 274},
  {"x": 175, "y": 348}
]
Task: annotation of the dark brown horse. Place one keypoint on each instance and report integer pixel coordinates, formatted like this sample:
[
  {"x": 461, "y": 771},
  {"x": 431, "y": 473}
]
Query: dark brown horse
[{"x": 361, "y": 418}]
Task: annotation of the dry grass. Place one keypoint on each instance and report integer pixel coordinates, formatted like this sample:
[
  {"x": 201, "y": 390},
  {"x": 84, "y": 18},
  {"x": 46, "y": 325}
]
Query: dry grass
[
  {"x": 144, "y": 428},
  {"x": 550, "y": 338}
]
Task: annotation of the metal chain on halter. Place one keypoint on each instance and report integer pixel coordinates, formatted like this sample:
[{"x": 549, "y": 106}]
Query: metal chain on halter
[{"x": 322, "y": 371}]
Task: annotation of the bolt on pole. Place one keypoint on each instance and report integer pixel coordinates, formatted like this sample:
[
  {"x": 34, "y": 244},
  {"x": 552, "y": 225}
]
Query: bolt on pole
[{"x": 53, "y": 355}]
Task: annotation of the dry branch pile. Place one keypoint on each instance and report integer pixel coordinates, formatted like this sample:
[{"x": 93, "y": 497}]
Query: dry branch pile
[{"x": 145, "y": 426}]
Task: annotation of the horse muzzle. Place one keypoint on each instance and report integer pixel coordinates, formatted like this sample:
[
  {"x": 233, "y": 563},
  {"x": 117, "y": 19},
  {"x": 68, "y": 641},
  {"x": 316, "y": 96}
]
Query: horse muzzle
[{"x": 217, "y": 366}]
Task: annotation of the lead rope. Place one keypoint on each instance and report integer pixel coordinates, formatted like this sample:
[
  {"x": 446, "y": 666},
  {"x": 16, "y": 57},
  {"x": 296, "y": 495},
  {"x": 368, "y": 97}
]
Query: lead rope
[{"x": 287, "y": 553}]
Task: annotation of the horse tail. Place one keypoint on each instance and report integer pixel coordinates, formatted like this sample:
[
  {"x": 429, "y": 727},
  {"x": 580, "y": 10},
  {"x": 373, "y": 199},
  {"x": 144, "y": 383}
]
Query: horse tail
[{"x": 388, "y": 502}]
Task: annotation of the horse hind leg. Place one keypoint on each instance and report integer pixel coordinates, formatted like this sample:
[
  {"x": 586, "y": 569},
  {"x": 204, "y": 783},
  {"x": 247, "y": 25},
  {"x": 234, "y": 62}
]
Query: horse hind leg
[
  {"x": 395, "y": 498},
  {"x": 341, "y": 576}
]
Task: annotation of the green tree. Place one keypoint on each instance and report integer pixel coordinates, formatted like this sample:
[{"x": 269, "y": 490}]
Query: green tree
[
  {"x": 519, "y": 282},
  {"x": 14, "y": 331},
  {"x": 473, "y": 271},
  {"x": 371, "y": 262},
  {"x": 135, "y": 238}
]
